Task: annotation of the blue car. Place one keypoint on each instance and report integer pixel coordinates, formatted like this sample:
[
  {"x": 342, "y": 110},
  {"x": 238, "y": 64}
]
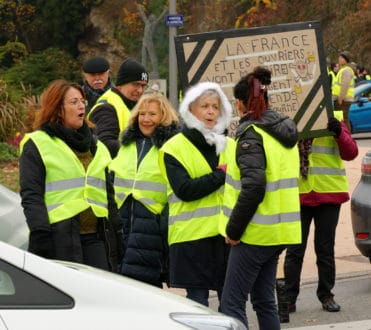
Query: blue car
[{"x": 360, "y": 110}]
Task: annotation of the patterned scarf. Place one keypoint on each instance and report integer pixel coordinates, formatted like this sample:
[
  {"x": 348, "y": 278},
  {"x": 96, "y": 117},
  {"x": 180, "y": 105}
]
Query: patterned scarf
[{"x": 305, "y": 148}]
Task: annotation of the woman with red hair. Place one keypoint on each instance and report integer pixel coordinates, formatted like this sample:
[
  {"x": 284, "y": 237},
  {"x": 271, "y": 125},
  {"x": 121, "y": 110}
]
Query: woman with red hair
[{"x": 266, "y": 215}]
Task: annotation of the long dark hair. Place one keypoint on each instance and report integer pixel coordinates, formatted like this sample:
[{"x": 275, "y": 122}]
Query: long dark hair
[{"x": 251, "y": 90}]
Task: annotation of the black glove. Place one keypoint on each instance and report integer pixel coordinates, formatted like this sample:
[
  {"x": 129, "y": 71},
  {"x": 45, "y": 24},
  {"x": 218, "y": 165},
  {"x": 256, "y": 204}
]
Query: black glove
[
  {"x": 334, "y": 126},
  {"x": 41, "y": 243}
]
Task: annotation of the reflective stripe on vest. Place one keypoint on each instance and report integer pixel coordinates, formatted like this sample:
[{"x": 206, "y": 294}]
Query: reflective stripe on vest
[
  {"x": 326, "y": 168},
  {"x": 196, "y": 219},
  {"x": 336, "y": 87},
  {"x": 146, "y": 183},
  {"x": 70, "y": 190},
  {"x": 277, "y": 218},
  {"x": 122, "y": 111}
]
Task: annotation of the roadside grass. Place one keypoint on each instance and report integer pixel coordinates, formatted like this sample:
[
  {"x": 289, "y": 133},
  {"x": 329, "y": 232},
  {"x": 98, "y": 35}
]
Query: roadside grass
[
  {"x": 9, "y": 174},
  {"x": 9, "y": 166}
]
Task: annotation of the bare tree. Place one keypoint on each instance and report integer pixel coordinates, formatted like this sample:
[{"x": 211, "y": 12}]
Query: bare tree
[{"x": 148, "y": 48}]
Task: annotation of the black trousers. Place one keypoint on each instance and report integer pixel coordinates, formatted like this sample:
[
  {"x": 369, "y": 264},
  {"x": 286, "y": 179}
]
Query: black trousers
[
  {"x": 325, "y": 218},
  {"x": 88, "y": 249}
]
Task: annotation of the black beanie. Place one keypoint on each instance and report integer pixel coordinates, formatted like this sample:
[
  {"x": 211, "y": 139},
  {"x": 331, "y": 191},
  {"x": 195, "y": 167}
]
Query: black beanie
[
  {"x": 346, "y": 55},
  {"x": 95, "y": 65},
  {"x": 131, "y": 70}
]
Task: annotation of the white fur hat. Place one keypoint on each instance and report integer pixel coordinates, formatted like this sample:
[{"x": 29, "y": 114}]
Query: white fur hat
[{"x": 193, "y": 93}]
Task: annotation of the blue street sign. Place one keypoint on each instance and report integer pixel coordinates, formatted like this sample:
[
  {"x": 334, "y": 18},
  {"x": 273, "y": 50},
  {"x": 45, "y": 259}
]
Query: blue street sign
[{"x": 174, "y": 20}]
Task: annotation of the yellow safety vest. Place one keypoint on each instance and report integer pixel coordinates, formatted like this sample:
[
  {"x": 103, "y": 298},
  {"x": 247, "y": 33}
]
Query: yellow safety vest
[
  {"x": 146, "y": 183},
  {"x": 336, "y": 87},
  {"x": 326, "y": 168},
  {"x": 277, "y": 218},
  {"x": 333, "y": 77},
  {"x": 69, "y": 189},
  {"x": 122, "y": 111},
  {"x": 232, "y": 186},
  {"x": 197, "y": 219}
]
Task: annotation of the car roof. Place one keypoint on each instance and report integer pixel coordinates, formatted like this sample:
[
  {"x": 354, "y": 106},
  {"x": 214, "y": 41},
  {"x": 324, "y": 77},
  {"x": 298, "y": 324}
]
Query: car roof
[
  {"x": 83, "y": 282},
  {"x": 362, "y": 87}
]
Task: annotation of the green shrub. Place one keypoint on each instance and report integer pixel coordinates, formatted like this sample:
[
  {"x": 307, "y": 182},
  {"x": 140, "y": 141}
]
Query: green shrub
[
  {"x": 8, "y": 152},
  {"x": 39, "y": 69},
  {"x": 12, "y": 52},
  {"x": 11, "y": 114}
]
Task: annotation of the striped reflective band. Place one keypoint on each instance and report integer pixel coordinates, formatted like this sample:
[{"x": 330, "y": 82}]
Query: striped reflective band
[
  {"x": 227, "y": 211},
  {"x": 325, "y": 150},
  {"x": 327, "y": 170},
  {"x": 52, "y": 207},
  {"x": 64, "y": 184},
  {"x": 91, "y": 201},
  {"x": 200, "y": 212},
  {"x": 236, "y": 184},
  {"x": 281, "y": 184},
  {"x": 275, "y": 218},
  {"x": 147, "y": 201},
  {"x": 142, "y": 185},
  {"x": 96, "y": 182},
  {"x": 173, "y": 199}
]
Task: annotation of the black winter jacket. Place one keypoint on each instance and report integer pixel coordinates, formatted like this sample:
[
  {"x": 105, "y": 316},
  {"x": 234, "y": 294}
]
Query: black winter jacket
[
  {"x": 145, "y": 233},
  {"x": 250, "y": 157},
  {"x": 107, "y": 124}
]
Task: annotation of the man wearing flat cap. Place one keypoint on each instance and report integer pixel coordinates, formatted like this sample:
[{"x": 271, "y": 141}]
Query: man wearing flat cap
[
  {"x": 97, "y": 79},
  {"x": 343, "y": 87},
  {"x": 112, "y": 111}
]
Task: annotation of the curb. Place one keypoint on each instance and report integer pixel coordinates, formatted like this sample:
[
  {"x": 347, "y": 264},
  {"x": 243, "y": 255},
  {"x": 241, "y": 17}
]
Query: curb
[{"x": 343, "y": 276}]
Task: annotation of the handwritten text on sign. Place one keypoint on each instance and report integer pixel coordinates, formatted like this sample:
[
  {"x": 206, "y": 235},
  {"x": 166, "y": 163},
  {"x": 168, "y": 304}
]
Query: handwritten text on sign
[{"x": 293, "y": 52}]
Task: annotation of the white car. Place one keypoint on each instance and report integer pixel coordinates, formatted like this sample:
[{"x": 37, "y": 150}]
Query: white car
[
  {"x": 36, "y": 293},
  {"x": 13, "y": 226}
]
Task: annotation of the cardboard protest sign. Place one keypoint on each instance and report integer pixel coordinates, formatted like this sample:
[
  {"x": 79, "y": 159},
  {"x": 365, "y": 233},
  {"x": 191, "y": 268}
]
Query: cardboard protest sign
[{"x": 293, "y": 52}]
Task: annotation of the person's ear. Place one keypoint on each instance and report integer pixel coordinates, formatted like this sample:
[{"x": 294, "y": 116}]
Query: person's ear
[{"x": 239, "y": 105}]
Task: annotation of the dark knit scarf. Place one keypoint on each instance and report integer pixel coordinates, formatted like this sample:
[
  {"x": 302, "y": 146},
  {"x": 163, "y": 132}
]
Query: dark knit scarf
[
  {"x": 129, "y": 103},
  {"x": 305, "y": 148},
  {"x": 80, "y": 140},
  {"x": 92, "y": 95}
]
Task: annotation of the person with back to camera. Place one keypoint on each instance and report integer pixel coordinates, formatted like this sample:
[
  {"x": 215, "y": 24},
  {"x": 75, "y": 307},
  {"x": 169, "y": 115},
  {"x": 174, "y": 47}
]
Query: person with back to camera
[
  {"x": 97, "y": 79},
  {"x": 65, "y": 190},
  {"x": 266, "y": 214},
  {"x": 323, "y": 188},
  {"x": 194, "y": 163},
  {"x": 112, "y": 110},
  {"x": 140, "y": 189}
]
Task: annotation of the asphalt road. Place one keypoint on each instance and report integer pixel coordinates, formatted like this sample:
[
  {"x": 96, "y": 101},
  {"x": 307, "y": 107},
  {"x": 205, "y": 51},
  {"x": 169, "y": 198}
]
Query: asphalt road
[{"x": 353, "y": 293}]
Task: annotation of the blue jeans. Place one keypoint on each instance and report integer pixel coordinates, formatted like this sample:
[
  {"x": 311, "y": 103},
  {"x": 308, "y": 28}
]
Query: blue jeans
[{"x": 252, "y": 270}]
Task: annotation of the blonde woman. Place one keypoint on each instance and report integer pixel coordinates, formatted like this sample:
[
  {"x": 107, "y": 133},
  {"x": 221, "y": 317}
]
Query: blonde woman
[{"x": 141, "y": 190}]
